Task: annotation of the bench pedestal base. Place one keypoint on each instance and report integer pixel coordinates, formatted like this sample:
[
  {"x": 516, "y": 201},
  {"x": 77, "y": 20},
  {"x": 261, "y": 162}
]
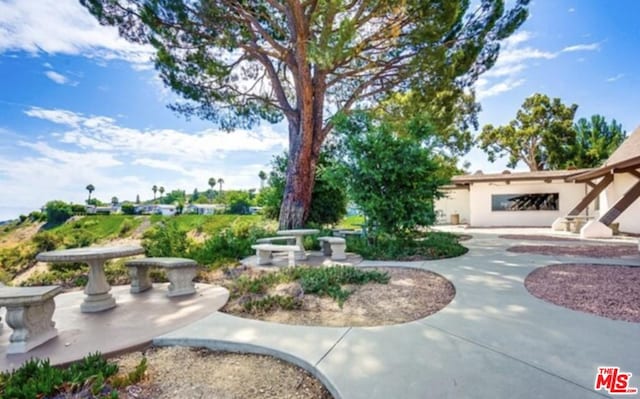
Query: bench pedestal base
[
  {"x": 181, "y": 281},
  {"x": 32, "y": 325},
  {"x": 140, "y": 280}
]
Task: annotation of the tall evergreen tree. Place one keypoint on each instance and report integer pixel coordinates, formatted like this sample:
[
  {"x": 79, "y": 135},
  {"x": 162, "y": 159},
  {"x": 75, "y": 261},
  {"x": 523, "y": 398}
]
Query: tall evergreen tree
[{"x": 239, "y": 62}]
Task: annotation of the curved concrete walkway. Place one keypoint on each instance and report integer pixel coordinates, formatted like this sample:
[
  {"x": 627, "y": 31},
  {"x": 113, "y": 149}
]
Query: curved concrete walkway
[{"x": 494, "y": 340}]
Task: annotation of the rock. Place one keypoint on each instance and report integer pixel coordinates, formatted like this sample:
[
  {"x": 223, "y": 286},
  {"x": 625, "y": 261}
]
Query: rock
[{"x": 293, "y": 289}]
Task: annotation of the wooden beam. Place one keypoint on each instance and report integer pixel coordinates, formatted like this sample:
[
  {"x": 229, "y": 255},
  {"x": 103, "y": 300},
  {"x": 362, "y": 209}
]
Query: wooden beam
[
  {"x": 621, "y": 205},
  {"x": 591, "y": 195},
  {"x": 590, "y": 184},
  {"x": 634, "y": 172}
]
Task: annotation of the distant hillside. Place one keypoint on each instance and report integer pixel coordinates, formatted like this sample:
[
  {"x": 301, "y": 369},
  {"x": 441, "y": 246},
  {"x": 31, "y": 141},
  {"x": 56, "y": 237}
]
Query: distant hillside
[{"x": 21, "y": 242}]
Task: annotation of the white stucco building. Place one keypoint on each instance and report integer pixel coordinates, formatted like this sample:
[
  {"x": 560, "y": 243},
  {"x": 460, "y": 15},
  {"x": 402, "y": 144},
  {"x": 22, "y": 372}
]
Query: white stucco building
[
  {"x": 599, "y": 196},
  {"x": 525, "y": 199}
]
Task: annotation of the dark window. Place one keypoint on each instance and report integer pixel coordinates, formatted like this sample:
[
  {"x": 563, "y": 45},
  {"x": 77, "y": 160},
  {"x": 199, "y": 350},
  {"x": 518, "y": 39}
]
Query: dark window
[{"x": 525, "y": 202}]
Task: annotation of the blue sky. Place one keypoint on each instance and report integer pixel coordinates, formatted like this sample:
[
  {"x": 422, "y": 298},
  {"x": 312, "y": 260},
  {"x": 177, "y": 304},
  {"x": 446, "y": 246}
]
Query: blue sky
[{"x": 80, "y": 105}]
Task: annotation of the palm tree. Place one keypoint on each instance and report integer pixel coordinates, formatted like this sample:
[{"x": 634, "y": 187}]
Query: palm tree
[
  {"x": 161, "y": 189},
  {"x": 155, "y": 190},
  {"x": 90, "y": 189},
  {"x": 212, "y": 184},
  {"x": 220, "y": 181},
  {"x": 263, "y": 176}
]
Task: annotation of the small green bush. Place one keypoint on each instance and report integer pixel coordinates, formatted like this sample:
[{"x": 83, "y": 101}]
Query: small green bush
[
  {"x": 57, "y": 212},
  {"x": 433, "y": 245},
  {"x": 38, "y": 379},
  {"x": 127, "y": 226},
  {"x": 128, "y": 209},
  {"x": 166, "y": 239}
]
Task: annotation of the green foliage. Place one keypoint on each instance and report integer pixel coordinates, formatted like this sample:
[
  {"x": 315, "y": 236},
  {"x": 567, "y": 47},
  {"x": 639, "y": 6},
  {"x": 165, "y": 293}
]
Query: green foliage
[
  {"x": 230, "y": 244},
  {"x": 166, "y": 239},
  {"x": 57, "y": 212},
  {"x": 38, "y": 216},
  {"x": 595, "y": 141},
  {"x": 541, "y": 135},
  {"x": 238, "y": 202},
  {"x": 432, "y": 245},
  {"x": 128, "y": 209},
  {"x": 329, "y": 197},
  {"x": 393, "y": 180},
  {"x": 127, "y": 226},
  {"x": 328, "y": 281},
  {"x": 321, "y": 281},
  {"x": 37, "y": 378},
  {"x": 46, "y": 241},
  {"x": 78, "y": 209}
]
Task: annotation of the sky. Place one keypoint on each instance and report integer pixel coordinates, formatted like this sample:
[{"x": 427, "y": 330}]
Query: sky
[{"x": 79, "y": 105}]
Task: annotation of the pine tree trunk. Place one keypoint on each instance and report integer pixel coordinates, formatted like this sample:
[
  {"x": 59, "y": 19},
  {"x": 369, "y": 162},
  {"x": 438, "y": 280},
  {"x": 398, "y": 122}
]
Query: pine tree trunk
[{"x": 301, "y": 171}]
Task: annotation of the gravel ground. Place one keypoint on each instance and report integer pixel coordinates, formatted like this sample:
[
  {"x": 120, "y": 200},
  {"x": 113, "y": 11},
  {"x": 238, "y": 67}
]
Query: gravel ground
[
  {"x": 590, "y": 251},
  {"x": 188, "y": 373},
  {"x": 604, "y": 290},
  {"x": 411, "y": 294}
]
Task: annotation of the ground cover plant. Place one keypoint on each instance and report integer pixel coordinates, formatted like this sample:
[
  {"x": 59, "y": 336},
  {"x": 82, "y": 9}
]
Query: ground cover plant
[
  {"x": 421, "y": 246},
  {"x": 91, "y": 377},
  {"x": 320, "y": 281}
]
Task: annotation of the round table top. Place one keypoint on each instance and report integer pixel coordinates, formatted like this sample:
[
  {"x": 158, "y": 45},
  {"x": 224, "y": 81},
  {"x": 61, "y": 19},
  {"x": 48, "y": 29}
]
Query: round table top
[
  {"x": 89, "y": 253},
  {"x": 297, "y": 232}
]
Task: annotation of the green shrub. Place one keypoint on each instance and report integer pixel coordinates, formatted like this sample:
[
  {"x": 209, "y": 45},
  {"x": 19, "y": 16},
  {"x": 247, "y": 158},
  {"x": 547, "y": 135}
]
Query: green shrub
[
  {"x": 22, "y": 219},
  {"x": 229, "y": 244},
  {"x": 78, "y": 209},
  {"x": 128, "y": 209},
  {"x": 166, "y": 239},
  {"x": 57, "y": 212},
  {"x": 127, "y": 226},
  {"x": 433, "y": 245},
  {"x": 37, "y": 216},
  {"x": 38, "y": 379}
]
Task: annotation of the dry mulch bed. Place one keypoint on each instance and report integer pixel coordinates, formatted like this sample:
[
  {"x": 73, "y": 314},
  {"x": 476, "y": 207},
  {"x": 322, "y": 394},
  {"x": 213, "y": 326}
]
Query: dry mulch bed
[
  {"x": 611, "y": 291},
  {"x": 538, "y": 237},
  {"x": 178, "y": 372},
  {"x": 590, "y": 251},
  {"x": 411, "y": 294}
]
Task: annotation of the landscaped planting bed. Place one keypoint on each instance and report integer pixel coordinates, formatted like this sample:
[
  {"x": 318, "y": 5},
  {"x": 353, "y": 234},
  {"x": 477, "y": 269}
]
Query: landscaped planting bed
[
  {"x": 335, "y": 296},
  {"x": 611, "y": 291}
]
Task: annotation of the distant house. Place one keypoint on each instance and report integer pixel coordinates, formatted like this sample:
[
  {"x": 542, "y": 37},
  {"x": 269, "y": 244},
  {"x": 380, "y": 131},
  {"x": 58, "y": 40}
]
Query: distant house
[
  {"x": 205, "y": 209},
  {"x": 156, "y": 209},
  {"x": 100, "y": 210}
]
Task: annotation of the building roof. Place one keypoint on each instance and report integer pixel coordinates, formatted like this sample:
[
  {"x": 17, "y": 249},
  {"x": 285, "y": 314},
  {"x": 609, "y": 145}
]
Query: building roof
[
  {"x": 541, "y": 175},
  {"x": 626, "y": 156}
]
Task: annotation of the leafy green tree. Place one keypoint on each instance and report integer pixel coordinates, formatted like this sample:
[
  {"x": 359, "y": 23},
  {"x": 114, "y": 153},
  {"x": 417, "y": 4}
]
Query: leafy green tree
[
  {"x": 57, "y": 212},
  {"x": 541, "y": 136},
  {"x": 128, "y": 209},
  {"x": 195, "y": 195},
  {"x": 298, "y": 56},
  {"x": 392, "y": 179},
  {"x": 90, "y": 188},
  {"x": 174, "y": 196},
  {"x": 595, "y": 141},
  {"x": 238, "y": 202},
  {"x": 329, "y": 203}
]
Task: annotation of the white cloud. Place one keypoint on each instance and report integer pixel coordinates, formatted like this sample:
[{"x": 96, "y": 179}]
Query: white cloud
[
  {"x": 615, "y": 78},
  {"x": 63, "y": 27},
  {"x": 58, "y": 78},
  {"x": 571, "y": 9},
  {"x": 122, "y": 161},
  {"x": 514, "y": 58},
  {"x": 581, "y": 47}
]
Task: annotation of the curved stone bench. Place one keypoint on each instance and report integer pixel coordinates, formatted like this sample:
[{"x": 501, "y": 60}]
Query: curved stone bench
[
  {"x": 334, "y": 247},
  {"x": 180, "y": 272},
  {"x": 264, "y": 252},
  {"x": 29, "y": 313}
]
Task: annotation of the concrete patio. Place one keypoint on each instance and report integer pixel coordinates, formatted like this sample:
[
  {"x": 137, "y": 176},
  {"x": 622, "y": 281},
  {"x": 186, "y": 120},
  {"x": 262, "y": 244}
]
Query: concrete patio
[{"x": 494, "y": 340}]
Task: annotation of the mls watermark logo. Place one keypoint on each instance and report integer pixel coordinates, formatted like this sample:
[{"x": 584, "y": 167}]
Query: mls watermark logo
[{"x": 614, "y": 381}]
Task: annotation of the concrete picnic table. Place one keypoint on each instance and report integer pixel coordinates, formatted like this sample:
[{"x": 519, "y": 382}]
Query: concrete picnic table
[
  {"x": 299, "y": 235},
  {"x": 97, "y": 290}
]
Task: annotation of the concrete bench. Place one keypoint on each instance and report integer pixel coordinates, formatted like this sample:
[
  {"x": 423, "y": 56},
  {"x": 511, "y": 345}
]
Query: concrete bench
[
  {"x": 264, "y": 252},
  {"x": 29, "y": 314},
  {"x": 270, "y": 240},
  {"x": 180, "y": 272},
  {"x": 334, "y": 247}
]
